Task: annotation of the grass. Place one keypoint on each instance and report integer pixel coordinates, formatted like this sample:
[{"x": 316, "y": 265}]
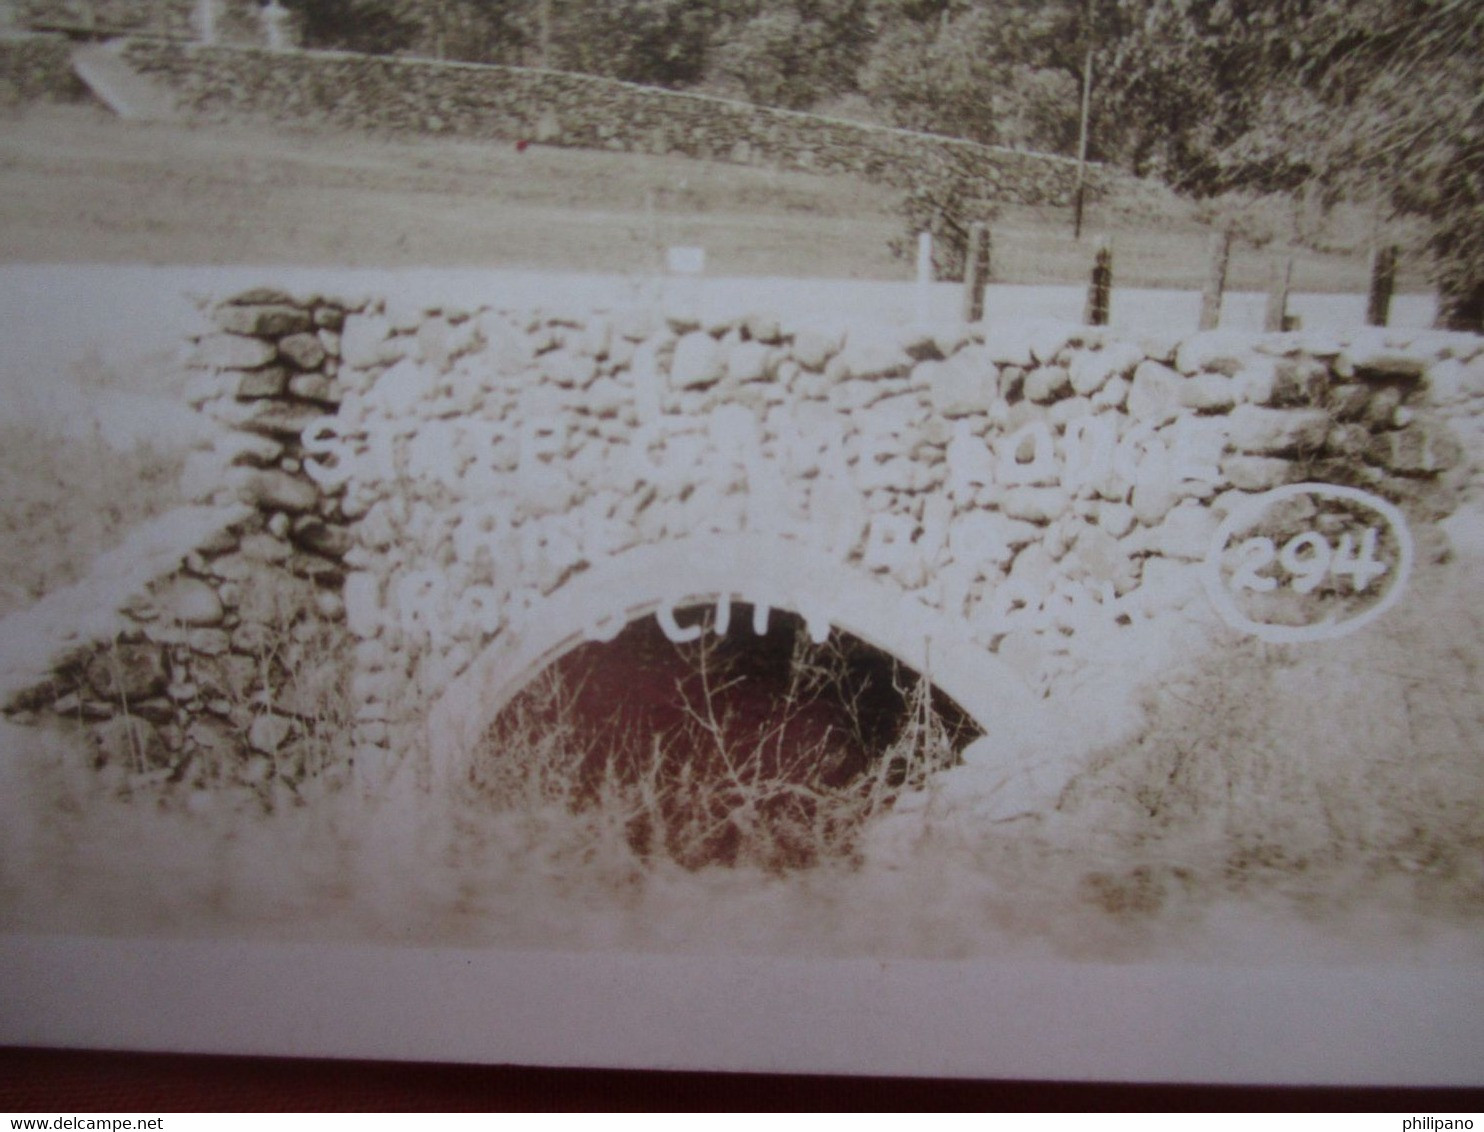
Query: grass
[
  {"x": 78, "y": 186},
  {"x": 1322, "y": 776},
  {"x": 67, "y": 498}
]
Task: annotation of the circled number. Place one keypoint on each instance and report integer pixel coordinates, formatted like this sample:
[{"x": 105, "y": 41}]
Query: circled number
[{"x": 1308, "y": 559}]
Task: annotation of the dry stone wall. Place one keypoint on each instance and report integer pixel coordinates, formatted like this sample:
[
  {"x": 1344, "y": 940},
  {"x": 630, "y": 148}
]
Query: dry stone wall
[
  {"x": 366, "y": 92},
  {"x": 37, "y": 68},
  {"x": 400, "y": 492},
  {"x": 236, "y": 21}
]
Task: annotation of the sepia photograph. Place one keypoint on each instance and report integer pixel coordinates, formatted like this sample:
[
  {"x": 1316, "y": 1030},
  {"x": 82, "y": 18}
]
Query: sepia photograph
[{"x": 921, "y": 537}]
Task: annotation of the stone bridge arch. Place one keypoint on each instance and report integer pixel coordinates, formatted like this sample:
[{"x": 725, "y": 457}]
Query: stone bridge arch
[
  {"x": 763, "y": 571},
  {"x": 461, "y": 495}
]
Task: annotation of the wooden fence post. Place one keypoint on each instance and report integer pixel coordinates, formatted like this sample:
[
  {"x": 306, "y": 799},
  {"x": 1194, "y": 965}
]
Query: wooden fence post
[
  {"x": 1220, "y": 256},
  {"x": 1383, "y": 282},
  {"x": 1275, "y": 315},
  {"x": 976, "y": 271},
  {"x": 1100, "y": 289}
]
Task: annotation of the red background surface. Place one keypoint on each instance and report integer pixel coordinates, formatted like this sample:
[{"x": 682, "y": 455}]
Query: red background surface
[{"x": 63, "y": 1081}]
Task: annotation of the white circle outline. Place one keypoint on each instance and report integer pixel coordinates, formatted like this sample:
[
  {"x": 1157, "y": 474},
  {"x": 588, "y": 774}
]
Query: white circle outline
[{"x": 1329, "y": 629}]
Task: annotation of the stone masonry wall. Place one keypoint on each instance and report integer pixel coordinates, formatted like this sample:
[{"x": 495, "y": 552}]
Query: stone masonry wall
[
  {"x": 366, "y": 92},
  {"x": 237, "y": 21},
  {"x": 212, "y": 644},
  {"x": 399, "y": 486},
  {"x": 37, "y": 68}
]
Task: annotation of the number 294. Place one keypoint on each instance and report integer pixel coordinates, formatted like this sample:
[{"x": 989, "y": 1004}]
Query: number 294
[{"x": 1308, "y": 559}]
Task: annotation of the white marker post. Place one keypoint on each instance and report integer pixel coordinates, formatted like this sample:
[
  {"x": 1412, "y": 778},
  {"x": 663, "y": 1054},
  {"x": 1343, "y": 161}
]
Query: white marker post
[
  {"x": 688, "y": 263},
  {"x": 273, "y": 16},
  {"x": 924, "y": 275},
  {"x": 206, "y": 21},
  {"x": 685, "y": 261}
]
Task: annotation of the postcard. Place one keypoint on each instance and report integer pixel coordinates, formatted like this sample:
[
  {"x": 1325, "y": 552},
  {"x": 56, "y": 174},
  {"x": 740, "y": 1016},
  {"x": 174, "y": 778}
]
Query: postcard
[{"x": 804, "y": 538}]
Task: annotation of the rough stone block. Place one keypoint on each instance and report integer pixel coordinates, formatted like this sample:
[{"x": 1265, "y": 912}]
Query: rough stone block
[
  {"x": 1348, "y": 402},
  {"x": 750, "y": 361},
  {"x": 960, "y": 387},
  {"x": 279, "y": 421},
  {"x": 1299, "y": 381},
  {"x": 270, "y": 381},
  {"x": 1381, "y": 409},
  {"x": 261, "y": 297},
  {"x": 322, "y": 538},
  {"x": 1271, "y": 432},
  {"x": 314, "y": 387},
  {"x": 1115, "y": 518},
  {"x": 269, "y": 732},
  {"x": 1257, "y": 381},
  {"x": 699, "y": 361},
  {"x": 987, "y": 538},
  {"x": 1036, "y": 504},
  {"x": 1153, "y": 498},
  {"x": 1208, "y": 393},
  {"x": 364, "y": 341},
  {"x": 1092, "y": 369},
  {"x": 1215, "y": 351},
  {"x": 1009, "y": 343},
  {"x": 330, "y": 318},
  {"x": 232, "y": 351},
  {"x": 306, "y": 351},
  {"x": 1256, "y": 473},
  {"x": 870, "y": 353},
  {"x": 270, "y": 490},
  {"x": 763, "y": 326},
  {"x": 264, "y": 321},
  {"x": 1046, "y": 383},
  {"x": 1416, "y": 451},
  {"x": 816, "y": 344},
  {"x": 1154, "y": 396},
  {"x": 188, "y": 601},
  {"x": 1375, "y": 361},
  {"x": 126, "y": 672},
  {"x": 363, "y": 604},
  {"x": 246, "y": 449}
]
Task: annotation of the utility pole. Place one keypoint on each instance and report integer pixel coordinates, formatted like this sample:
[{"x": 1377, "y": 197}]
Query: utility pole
[
  {"x": 1081, "y": 189},
  {"x": 1082, "y": 144}
]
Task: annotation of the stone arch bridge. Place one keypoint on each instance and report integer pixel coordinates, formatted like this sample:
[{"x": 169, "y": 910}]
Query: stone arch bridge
[{"x": 425, "y": 507}]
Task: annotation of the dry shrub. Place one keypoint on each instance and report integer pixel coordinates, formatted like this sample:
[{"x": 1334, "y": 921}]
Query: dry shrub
[{"x": 706, "y": 778}]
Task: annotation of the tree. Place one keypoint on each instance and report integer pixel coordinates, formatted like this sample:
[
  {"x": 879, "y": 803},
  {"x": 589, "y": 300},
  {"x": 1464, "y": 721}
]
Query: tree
[
  {"x": 1405, "y": 84},
  {"x": 660, "y": 42},
  {"x": 1002, "y": 73},
  {"x": 1369, "y": 100},
  {"x": 478, "y": 31},
  {"x": 373, "y": 26},
  {"x": 944, "y": 198},
  {"x": 939, "y": 75},
  {"x": 793, "y": 53}
]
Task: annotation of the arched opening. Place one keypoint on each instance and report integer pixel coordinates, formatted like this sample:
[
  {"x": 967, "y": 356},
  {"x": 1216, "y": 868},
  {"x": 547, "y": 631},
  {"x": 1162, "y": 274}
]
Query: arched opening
[
  {"x": 708, "y": 570},
  {"x": 746, "y": 741}
]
